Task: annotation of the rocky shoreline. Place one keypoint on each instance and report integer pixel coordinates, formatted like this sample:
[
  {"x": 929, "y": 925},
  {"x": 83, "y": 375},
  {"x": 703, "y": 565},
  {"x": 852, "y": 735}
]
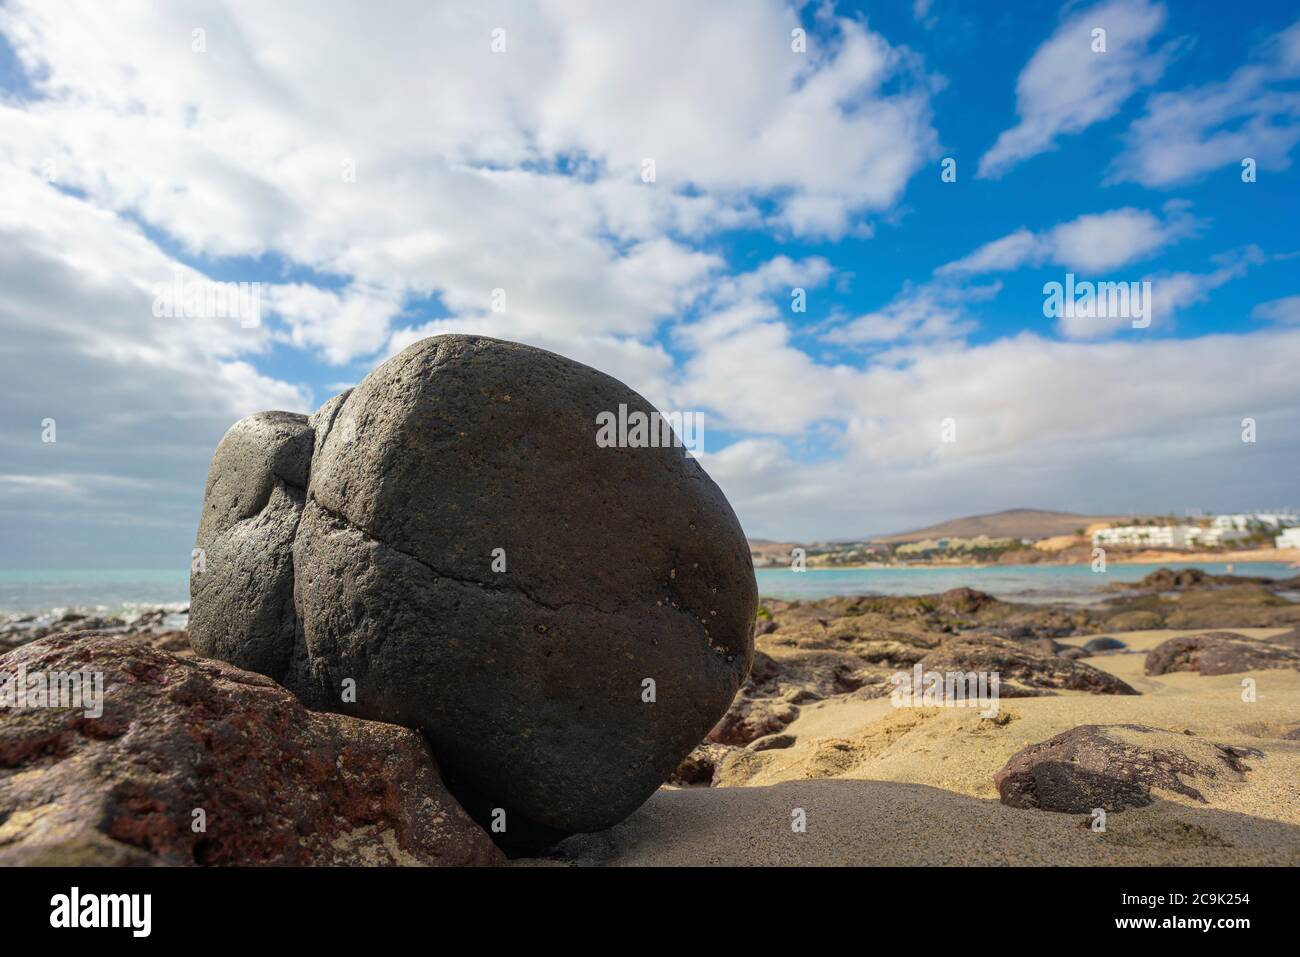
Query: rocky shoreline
[{"x": 181, "y": 734}]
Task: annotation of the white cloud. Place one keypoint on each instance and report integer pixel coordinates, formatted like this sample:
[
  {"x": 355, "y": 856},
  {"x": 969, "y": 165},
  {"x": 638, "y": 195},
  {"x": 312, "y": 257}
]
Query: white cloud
[
  {"x": 1066, "y": 87},
  {"x": 921, "y": 13},
  {"x": 387, "y": 149},
  {"x": 743, "y": 366},
  {"x": 138, "y": 401},
  {"x": 927, "y": 312},
  {"x": 1090, "y": 243},
  {"x": 341, "y": 326},
  {"x": 1037, "y": 421},
  {"x": 520, "y": 171},
  {"x": 1185, "y": 134},
  {"x": 474, "y": 171},
  {"x": 1169, "y": 294},
  {"x": 1285, "y": 311}
]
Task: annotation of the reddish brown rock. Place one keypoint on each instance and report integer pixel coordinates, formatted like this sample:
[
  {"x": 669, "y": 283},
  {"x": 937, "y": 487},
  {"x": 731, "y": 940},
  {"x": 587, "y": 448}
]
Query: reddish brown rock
[
  {"x": 1115, "y": 767},
  {"x": 1219, "y": 653},
  {"x": 277, "y": 784},
  {"x": 749, "y": 719}
]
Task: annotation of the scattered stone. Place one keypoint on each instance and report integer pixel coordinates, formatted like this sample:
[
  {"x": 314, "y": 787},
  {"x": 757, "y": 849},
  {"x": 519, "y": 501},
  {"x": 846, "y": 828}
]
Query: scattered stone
[
  {"x": 276, "y": 783},
  {"x": 1044, "y": 646},
  {"x": 1022, "y": 673},
  {"x": 1103, "y": 643},
  {"x": 1115, "y": 767},
  {"x": 752, "y": 718},
  {"x": 1135, "y": 620},
  {"x": 1289, "y": 731},
  {"x": 701, "y": 765},
  {"x": 1167, "y": 579},
  {"x": 1219, "y": 653},
  {"x": 1289, "y": 639}
]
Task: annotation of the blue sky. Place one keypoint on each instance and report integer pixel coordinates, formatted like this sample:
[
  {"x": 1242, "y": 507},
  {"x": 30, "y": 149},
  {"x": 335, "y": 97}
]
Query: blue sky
[{"x": 208, "y": 138}]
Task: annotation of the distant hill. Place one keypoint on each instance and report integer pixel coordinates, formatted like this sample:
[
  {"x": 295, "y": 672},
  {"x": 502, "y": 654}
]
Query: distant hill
[{"x": 1014, "y": 523}]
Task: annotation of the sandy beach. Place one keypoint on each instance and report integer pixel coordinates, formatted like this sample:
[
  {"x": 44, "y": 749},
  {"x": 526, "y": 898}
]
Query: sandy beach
[{"x": 882, "y": 785}]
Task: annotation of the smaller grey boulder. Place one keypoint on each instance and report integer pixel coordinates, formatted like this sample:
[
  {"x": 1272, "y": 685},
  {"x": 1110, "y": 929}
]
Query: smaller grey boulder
[{"x": 1103, "y": 643}]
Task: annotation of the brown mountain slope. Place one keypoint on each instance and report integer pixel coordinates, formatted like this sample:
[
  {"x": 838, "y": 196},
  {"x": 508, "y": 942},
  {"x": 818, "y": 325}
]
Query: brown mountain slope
[{"x": 1014, "y": 523}]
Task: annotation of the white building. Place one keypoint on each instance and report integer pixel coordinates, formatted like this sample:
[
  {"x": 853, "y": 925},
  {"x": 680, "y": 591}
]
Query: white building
[
  {"x": 1169, "y": 536},
  {"x": 1244, "y": 521},
  {"x": 1157, "y": 536},
  {"x": 1231, "y": 521},
  {"x": 1215, "y": 535},
  {"x": 1288, "y": 539}
]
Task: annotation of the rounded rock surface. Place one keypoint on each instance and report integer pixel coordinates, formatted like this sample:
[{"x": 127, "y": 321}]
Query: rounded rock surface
[
  {"x": 463, "y": 455},
  {"x": 241, "y": 579}
]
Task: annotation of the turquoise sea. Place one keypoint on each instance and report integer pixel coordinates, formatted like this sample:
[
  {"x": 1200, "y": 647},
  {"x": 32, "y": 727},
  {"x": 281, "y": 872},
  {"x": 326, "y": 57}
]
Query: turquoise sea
[
  {"x": 1028, "y": 583},
  {"x": 116, "y": 591},
  {"x": 93, "y": 591}
]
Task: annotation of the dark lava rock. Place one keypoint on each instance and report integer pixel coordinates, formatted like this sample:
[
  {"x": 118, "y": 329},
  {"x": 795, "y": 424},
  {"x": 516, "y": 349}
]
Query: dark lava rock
[
  {"x": 622, "y": 564},
  {"x": 1141, "y": 619},
  {"x": 963, "y": 601},
  {"x": 1218, "y": 607},
  {"x": 1219, "y": 653},
  {"x": 277, "y": 784},
  {"x": 1022, "y": 673},
  {"x": 763, "y": 674},
  {"x": 241, "y": 592},
  {"x": 1103, "y": 643},
  {"x": 1167, "y": 579},
  {"x": 1289, "y": 639},
  {"x": 1114, "y": 767},
  {"x": 1044, "y": 646},
  {"x": 700, "y": 766}
]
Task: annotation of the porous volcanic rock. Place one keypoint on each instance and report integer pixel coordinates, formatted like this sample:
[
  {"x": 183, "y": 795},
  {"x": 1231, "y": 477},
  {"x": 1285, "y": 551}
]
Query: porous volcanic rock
[
  {"x": 1219, "y": 653},
  {"x": 456, "y": 458},
  {"x": 276, "y": 783},
  {"x": 700, "y": 766},
  {"x": 1115, "y": 767},
  {"x": 749, "y": 719},
  {"x": 1022, "y": 673}
]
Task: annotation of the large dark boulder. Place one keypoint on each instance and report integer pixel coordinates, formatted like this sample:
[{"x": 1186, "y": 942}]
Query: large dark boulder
[
  {"x": 198, "y": 762},
  {"x": 1219, "y": 653},
  {"x": 1115, "y": 767},
  {"x": 622, "y": 565}
]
